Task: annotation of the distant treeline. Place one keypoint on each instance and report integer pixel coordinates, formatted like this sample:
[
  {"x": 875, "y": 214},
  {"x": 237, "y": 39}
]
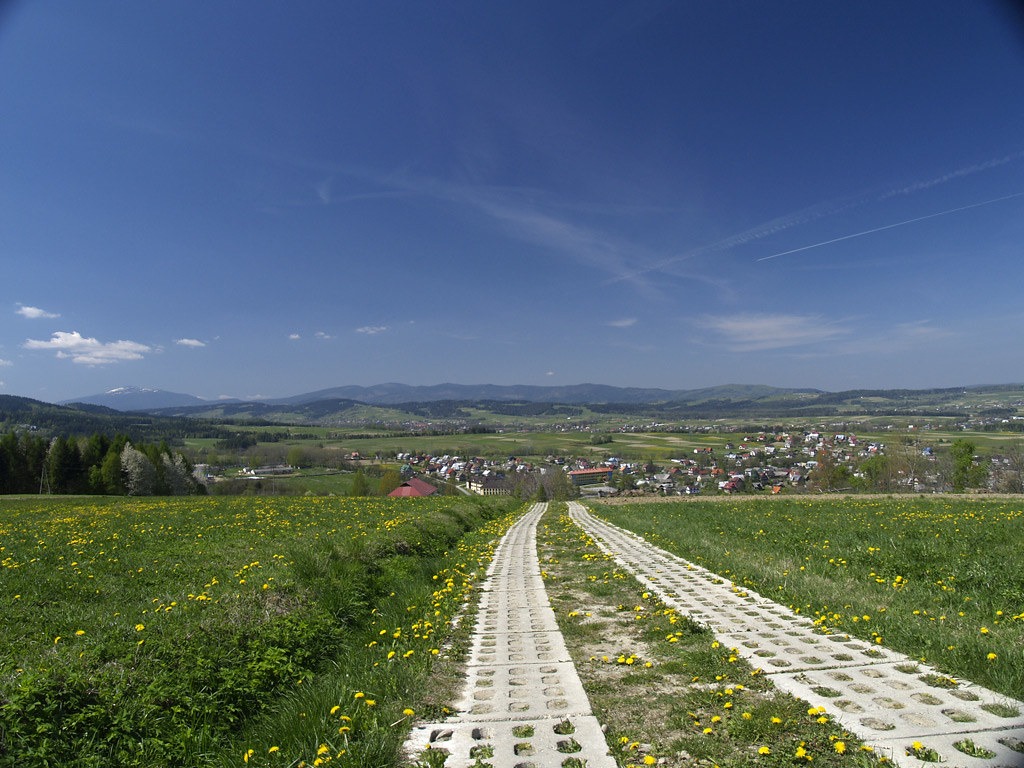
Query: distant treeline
[{"x": 98, "y": 464}]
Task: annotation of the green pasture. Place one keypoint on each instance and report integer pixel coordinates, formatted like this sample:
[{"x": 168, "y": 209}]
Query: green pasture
[
  {"x": 208, "y": 631},
  {"x": 941, "y": 579}
]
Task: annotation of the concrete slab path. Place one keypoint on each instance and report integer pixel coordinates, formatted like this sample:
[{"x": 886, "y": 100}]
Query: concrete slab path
[
  {"x": 872, "y": 691},
  {"x": 523, "y": 705}
]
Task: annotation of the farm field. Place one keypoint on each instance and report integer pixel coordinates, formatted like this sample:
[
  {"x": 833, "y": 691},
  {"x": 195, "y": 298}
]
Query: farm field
[
  {"x": 938, "y": 579},
  {"x": 205, "y": 631}
]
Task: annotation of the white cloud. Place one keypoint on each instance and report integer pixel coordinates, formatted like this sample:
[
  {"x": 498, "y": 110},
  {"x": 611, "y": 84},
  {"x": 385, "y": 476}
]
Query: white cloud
[
  {"x": 901, "y": 338},
  {"x": 35, "y": 313},
  {"x": 323, "y": 336},
  {"x": 190, "y": 343},
  {"x": 89, "y": 351},
  {"x": 625, "y": 322},
  {"x": 754, "y": 332},
  {"x": 5, "y": 362},
  {"x": 323, "y": 191},
  {"x": 294, "y": 337},
  {"x": 372, "y": 330}
]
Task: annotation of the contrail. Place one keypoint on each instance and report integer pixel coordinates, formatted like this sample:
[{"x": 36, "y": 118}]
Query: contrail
[{"x": 891, "y": 226}]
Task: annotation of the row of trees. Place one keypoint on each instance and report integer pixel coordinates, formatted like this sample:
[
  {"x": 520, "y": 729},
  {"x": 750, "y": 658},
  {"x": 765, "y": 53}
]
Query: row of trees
[
  {"x": 905, "y": 465},
  {"x": 94, "y": 465}
]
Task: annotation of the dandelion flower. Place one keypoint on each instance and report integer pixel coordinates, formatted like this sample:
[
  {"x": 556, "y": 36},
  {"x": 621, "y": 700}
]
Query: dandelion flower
[
  {"x": 272, "y": 750},
  {"x": 992, "y": 657},
  {"x": 839, "y": 747},
  {"x": 764, "y": 751},
  {"x": 650, "y": 759},
  {"x": 408, "y": 712}
]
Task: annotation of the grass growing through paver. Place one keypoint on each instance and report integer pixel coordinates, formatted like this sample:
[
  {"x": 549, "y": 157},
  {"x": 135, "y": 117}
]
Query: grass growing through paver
[
  {"x": 668, "y": 692},
  {"x": 941, "y": 580}
]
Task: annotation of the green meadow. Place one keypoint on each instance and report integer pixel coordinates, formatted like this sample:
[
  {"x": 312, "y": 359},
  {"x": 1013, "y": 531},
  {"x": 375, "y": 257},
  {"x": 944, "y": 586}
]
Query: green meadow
[
  {"x": 940, "y": 579},
  {"x": 290, "y": 631},
  {"x": 210, "y": 631}
]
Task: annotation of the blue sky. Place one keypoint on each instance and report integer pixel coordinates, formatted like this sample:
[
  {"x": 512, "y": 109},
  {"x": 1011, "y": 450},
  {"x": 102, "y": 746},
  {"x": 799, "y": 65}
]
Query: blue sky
[{"x": 263, "y": 199}]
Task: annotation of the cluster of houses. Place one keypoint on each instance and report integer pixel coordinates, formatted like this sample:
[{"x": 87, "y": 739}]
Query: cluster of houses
[{"x": 759, "y": 463}]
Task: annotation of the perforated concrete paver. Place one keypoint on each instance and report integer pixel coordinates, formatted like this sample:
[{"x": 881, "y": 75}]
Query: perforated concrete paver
[
  {"x": 523, "y": 705},
  {"x": 882, "y": 696}
]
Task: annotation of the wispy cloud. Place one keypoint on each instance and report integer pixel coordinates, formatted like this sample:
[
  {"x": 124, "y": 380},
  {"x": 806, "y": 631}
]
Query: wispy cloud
[
  {"x": 323, "y": 191},
  {"x": 918, "y": 186},
  {"x": 758, "y": 332},
  {"x": 372, "y": 330},
  {"x": 5, "y": 363},
  {"x": 35, "y": 313},
  {"x": 891, "y": 226},
  {"x": 323, "y": 335},
  {"x": 626, "y": 322},
  {"x": 190, "y": 343},
  {"x": 89, "y": 351},
  {"x": 900, "y": 338},
  {"x": 525, "y": 215},
  {"x": 294, "y": 337},
  {"x": 832, "y": 207}
]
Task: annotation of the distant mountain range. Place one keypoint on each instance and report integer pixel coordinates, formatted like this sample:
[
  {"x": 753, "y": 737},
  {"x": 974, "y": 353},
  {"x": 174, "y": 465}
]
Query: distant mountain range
[
  {"x": 146, "y": 412},
  {"x": 145, "y": 399}
]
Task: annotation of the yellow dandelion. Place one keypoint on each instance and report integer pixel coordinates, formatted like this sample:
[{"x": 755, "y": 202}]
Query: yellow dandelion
[
  {"x": 764, "y": 751},
  {"x": 408, "y": 712},
  {"x": 839, "y": 747}
]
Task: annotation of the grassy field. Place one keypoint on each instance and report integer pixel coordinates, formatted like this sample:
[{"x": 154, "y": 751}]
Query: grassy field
[
  {"x": 207, "y": 632},
  {"x": 938, "y": 579},
  {"x": 281, "y": 631}
]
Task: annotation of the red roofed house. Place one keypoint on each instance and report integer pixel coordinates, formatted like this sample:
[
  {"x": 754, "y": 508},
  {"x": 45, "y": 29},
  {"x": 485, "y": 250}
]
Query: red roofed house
[
  {"x": 414, "y": 487},
  {"x": 588, "y": 476}
]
